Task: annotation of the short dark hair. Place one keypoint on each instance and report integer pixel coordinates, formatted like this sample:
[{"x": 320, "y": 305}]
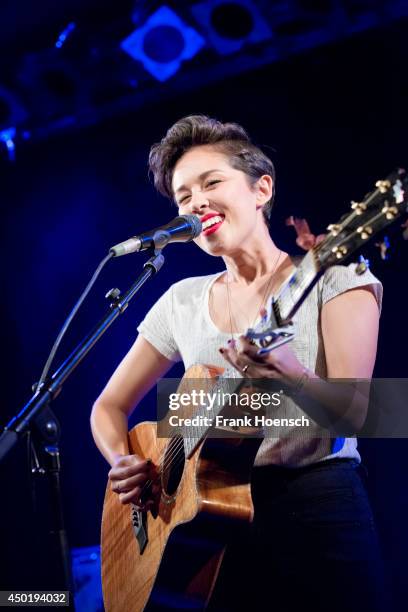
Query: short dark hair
[{"x": 228, "y": 138}]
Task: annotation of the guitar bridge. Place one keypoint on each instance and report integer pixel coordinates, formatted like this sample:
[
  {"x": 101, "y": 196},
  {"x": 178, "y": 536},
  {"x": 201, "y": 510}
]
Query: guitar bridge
[{"x": 139, "y": 524}]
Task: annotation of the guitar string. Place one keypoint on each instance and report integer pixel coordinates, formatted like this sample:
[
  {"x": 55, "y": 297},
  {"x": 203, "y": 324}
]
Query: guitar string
[
  {"x": 196, "y": 430},
  {"x": 167, "y": 459},
  {"x": 197, "y": 435},
  {"x": 176, "y": 459},
  {"x": 176, "y": 450},
  {"x": 175, "y": 456}
]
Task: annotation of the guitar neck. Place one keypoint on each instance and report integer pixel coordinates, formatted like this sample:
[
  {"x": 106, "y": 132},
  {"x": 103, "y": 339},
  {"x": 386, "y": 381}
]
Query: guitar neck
[
  {"x": 379, "y": 208},
  {"x": 226, "y": 386},
  {"x": 297, "y": 288}
]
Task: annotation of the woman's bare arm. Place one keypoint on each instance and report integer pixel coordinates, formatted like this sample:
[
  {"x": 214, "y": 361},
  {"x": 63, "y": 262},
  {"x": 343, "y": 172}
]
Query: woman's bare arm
[
  {"x": 350, "y": 330},
  {"x": 137, "y": 373}
]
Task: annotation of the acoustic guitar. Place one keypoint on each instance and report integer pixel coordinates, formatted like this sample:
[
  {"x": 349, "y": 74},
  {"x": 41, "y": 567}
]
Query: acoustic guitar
[{"x": 169, "y": 557}]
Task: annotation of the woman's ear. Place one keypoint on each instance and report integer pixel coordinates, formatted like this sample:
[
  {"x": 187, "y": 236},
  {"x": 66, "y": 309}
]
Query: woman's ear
[{"x": 264, "y": 187}]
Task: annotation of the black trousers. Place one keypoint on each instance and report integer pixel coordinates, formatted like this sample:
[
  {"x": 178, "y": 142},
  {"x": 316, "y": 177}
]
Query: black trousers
[{"x": 312, "y": 545}]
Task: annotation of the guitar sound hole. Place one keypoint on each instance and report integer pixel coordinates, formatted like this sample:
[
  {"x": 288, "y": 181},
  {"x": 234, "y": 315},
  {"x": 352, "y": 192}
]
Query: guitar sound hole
[{"x": 173, "y": 465}]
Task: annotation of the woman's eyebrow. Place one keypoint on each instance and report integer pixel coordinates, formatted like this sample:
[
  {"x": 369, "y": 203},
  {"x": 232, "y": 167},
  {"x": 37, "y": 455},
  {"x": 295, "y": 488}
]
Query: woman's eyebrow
[{"x": 201, "y": 177}]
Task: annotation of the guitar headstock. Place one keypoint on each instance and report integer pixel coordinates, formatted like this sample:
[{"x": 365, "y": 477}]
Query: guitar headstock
[{"x": 379, "y": 208}]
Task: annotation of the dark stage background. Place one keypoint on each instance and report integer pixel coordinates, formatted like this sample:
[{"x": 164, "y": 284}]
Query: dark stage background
[{"x": 333, "y": 119}]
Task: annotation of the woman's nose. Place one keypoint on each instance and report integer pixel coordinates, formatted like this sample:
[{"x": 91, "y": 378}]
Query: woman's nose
[{"x": 198, "y": 202}]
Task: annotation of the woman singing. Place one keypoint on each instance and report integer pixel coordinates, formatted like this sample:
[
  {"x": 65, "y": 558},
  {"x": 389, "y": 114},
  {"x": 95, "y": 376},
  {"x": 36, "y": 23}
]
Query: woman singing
[{"x": 312, "y": 543}]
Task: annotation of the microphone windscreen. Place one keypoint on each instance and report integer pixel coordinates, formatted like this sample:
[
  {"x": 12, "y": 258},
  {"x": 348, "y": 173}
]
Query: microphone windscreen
[{"x": 195, "y": 223}]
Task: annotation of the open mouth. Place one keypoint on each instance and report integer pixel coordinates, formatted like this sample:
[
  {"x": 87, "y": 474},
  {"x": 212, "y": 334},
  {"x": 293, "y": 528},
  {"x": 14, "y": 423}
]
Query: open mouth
[{"x": 211, "y": 224}]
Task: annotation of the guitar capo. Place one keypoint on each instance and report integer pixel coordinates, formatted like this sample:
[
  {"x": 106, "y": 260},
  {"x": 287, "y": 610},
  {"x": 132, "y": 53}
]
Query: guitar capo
[{"x": 268, "y": 334}]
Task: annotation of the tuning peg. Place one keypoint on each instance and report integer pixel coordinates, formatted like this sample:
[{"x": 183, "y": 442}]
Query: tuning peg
[
  {"x": 333, "y": 229},
  {"x": 358, "y": 207},
  {"x": 390, "y": 212},
  {"x": 340, "y": 251},
  {"x": 383, "y": 186},
  {"x": 365, "y": 232}
]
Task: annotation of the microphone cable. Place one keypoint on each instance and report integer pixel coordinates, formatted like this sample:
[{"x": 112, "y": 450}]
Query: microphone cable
[
  {"x": 195, "y": 227},
  {"x": 64, "y": 328}
]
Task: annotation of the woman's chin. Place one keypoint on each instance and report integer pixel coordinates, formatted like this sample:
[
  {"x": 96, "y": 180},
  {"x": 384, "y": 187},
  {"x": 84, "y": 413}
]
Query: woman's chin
[{"x": 211, "y": 247}]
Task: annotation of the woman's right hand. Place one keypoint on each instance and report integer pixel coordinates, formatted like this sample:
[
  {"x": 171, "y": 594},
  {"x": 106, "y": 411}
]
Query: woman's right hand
[{"x": 129, "y": 477}]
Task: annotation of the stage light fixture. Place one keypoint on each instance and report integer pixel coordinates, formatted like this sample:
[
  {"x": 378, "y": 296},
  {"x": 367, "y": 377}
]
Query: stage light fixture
[
  {"x": 231, "y": 25},
  {"x": 163, "y": 43}
]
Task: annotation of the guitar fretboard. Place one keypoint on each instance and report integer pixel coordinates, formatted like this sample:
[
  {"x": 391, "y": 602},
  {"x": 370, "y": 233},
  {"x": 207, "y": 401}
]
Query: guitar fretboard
[
  {"x": 227, "y": 384},
  {"x": 297, "y": 287}
]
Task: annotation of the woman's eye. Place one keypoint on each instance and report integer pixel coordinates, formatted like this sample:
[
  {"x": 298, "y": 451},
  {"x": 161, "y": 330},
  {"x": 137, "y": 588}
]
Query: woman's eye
[{"x": 184, "y": 199}]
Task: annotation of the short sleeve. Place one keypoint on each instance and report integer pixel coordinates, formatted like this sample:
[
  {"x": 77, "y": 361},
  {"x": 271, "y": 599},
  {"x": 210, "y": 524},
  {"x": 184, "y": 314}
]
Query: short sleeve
[
  {"x": 339, "y": 279},
  {"x": 157, "y": 327}
]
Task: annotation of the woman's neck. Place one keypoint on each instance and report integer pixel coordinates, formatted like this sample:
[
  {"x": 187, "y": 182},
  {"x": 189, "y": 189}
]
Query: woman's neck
[{"x": 249, "y": 264}]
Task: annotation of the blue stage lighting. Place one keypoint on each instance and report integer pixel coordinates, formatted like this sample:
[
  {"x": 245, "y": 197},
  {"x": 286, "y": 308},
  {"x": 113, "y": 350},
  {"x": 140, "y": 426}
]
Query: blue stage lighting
[
  {"x": 65, "y": 34},
  {"x": 163, "y": 43},
  {"x": 12, "y": 116},
  {"x": 231, "y": 25},
  {"x": 7, "y": 137},
  {"x": 86, "y": 570}
]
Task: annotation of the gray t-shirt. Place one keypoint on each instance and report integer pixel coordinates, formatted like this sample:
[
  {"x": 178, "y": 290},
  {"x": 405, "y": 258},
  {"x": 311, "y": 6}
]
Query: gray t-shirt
[{"x": 179, "y": 326}]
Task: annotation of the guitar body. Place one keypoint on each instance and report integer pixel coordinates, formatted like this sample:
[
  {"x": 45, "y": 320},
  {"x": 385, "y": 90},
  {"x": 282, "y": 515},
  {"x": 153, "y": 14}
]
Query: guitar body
[{"x": 170, "y": 557}]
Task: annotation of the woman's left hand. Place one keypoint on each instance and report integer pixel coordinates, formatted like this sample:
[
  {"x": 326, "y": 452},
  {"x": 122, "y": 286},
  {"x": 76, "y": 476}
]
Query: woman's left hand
[{"x": 280, "y": 364}]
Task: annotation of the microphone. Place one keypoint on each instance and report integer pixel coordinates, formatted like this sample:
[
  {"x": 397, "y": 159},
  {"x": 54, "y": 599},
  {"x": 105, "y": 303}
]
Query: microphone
[{"x": 180, "y": 229}]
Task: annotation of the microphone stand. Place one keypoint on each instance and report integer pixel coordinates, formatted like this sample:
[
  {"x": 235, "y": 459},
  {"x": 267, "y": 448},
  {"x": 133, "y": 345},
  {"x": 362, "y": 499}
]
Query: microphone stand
[{"x": 45, "y": 456}]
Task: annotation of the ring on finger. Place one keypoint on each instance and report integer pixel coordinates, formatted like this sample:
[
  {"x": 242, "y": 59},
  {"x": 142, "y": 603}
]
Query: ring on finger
[{"x": 245, "y": 369}]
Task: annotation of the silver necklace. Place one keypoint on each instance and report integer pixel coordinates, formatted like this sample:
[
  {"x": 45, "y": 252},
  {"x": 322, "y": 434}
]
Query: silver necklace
[{"x": 263, "y": 297}]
